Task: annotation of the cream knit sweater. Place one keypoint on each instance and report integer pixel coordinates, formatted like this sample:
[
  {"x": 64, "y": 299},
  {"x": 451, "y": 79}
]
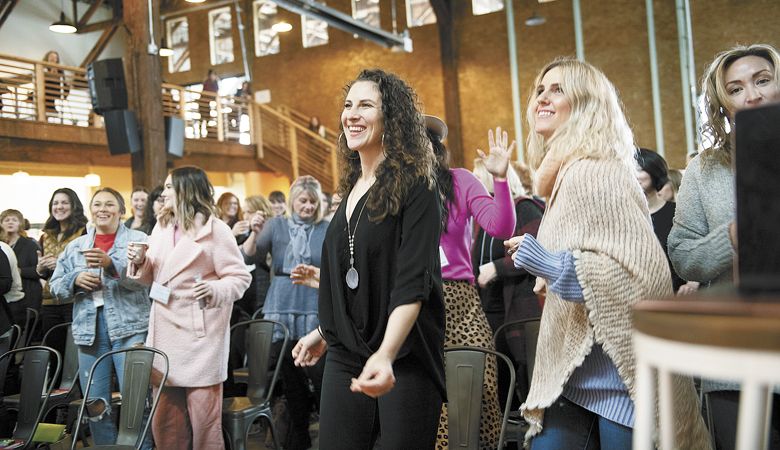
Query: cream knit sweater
[{"x": 597, "y": 211}]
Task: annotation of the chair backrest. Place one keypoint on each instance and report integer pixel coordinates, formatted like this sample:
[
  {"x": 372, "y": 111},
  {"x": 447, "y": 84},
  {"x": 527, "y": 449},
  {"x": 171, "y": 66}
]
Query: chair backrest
[
  {"x": 36, "y": 361},
  {"x": 30, "y": 324},
  {"x": 137, "y": 376},
  {"x": 70, "y": 359},
  {"x": 525, "y": 333},
  {"x": 465, "y": 372},
  {"x": 259, "y": 337}
]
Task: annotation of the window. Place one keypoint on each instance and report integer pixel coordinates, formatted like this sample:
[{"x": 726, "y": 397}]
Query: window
[
  {"x": 479, "y": 7},
  {"x": 366, "y": 11},
  {"x": 266, "y": 39},
  {"x": 315, "y": 31},
  {"x": 178, "y": 37},
  {"x": 419, "y": 13},
  {"x": 221, "y": 35}
]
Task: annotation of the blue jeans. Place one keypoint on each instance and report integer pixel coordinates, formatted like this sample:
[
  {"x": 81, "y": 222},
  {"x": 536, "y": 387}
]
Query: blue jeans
[
  {"x": 103, "y": 430},
  {"x": 570, "y": 426}
]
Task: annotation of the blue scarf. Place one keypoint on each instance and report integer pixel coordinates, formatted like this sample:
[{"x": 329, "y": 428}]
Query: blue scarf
[{"x": 298, "y": 250}]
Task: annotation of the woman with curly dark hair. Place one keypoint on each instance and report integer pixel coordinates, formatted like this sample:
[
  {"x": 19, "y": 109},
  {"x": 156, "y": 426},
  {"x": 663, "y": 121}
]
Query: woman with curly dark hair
[
  {"x": 381, "y": 305},
  {"x": 66, "y": 222}
]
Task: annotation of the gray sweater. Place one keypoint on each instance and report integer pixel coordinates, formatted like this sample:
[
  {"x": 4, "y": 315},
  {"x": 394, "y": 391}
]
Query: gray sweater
[{"x": 699, "y": 243}]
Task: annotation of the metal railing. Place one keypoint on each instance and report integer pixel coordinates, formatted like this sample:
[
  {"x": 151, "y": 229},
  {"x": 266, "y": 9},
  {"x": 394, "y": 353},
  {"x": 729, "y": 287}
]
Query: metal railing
[{"x": 53, "y": 93}]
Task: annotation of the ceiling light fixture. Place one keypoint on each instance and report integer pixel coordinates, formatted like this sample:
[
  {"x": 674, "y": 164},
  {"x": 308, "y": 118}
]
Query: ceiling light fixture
[
  {"x": 195, "y": 1},
  {"x": 165, "y": 51},
  {"x": 20, "y": 174},
  {"x": 92, "y": 179},
  {"x": 535, "y": 20},
  {"x": 281, "y": 27},
  {"x": 62, "y": 25}
]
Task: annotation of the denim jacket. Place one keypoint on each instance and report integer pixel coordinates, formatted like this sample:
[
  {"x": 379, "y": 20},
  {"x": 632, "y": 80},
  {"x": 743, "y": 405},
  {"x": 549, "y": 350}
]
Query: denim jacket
[{"x": 126, "y": 302}]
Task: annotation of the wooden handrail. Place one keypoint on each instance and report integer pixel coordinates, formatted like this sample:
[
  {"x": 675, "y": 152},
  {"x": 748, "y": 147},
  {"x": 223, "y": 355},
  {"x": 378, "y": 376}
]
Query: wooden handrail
[{"x": 58, "y": 93}]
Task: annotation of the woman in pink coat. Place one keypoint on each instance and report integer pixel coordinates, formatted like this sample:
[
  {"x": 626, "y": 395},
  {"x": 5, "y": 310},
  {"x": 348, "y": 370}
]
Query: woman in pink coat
[{"x": 196, "y": 272}]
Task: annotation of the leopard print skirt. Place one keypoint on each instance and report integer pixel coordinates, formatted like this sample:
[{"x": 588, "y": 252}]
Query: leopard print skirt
[{"x": 466, "y": 324}]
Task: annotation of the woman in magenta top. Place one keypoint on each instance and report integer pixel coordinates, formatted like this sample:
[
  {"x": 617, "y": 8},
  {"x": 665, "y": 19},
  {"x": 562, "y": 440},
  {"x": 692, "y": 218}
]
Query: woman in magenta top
[{"x": 465, "y": 198}]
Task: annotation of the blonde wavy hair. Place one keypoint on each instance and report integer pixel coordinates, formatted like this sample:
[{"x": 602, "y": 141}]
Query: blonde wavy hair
[
  {"x": 597, "y": 127},
  {"x": 258, "y": 203},
  {"x": 515, "y": 185},
  {"x": 194, "y": 194},
  {"x": 717, "y": 103},
  {"x": 306, "y": 185}
]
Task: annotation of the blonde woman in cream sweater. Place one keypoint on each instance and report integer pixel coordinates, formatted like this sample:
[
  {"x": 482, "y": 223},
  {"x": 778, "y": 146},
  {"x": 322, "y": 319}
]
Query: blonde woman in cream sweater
[{"x": 596, "y": 255}]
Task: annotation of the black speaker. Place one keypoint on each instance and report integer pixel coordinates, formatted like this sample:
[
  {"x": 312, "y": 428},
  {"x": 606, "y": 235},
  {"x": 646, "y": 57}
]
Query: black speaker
[
  {"x": 174, "y": 136},
  {"x": 122, "y": 132},
  {"x": 107, "y": 88}
]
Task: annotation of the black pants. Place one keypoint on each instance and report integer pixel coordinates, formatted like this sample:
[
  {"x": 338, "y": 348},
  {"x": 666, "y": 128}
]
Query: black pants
[
  {"x": 406, "y": 418},
  {"x": 724, "y": 409}
]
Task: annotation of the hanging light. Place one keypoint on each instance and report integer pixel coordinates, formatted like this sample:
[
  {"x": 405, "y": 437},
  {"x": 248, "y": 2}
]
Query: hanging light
[
  {"x": 165, "y": 51},
  {"x": 535, "y": 20},
  {"x": 62, "y": 25},
  {"x": 20, "y": 174},
  {"x": 195, "y": 1},
  {"x": 281, "y": 27},
  {"x": 92, "y": 179}
]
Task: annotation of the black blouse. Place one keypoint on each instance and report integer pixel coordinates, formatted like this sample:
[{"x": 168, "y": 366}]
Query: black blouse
[
  {"x": 397, "y": 261},
  {"x": 662, "y": 225}
]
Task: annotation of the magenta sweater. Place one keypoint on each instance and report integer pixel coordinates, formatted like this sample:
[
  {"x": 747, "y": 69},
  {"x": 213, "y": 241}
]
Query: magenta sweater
[{"x": 495, "y": 216}]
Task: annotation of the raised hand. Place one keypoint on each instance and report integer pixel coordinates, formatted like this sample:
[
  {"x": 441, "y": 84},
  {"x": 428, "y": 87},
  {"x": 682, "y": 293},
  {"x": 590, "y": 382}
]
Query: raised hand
[
  {"x": 497, "y": 161},
  {"x": 306, "y": 275}
]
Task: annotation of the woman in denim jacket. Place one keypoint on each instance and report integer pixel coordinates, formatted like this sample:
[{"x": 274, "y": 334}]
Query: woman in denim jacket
[{"x": 110, "y": 311}]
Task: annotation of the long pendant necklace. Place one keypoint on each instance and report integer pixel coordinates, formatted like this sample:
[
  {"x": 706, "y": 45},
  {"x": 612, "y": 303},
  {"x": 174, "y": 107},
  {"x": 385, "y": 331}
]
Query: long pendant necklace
[{"x": 352, "y": 277}]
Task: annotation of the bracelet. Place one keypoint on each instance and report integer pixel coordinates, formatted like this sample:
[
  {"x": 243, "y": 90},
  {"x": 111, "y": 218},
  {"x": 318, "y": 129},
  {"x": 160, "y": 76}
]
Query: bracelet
[{"x": 320, "y": 332}]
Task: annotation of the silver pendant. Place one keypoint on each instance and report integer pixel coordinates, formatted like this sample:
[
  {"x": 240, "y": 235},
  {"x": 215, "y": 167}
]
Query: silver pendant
[{"x": 352, "y": 278}]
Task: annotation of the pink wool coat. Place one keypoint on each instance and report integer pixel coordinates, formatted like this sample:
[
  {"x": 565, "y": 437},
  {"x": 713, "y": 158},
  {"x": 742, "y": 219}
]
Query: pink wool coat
[{"x": 195, "y": 340}]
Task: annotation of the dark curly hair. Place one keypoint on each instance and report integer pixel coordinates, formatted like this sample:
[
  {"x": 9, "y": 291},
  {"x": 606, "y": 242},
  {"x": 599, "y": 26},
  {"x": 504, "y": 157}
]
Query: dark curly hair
[
  {"x": 408, "y": 158},
  {"x": 443, "y": 177}
]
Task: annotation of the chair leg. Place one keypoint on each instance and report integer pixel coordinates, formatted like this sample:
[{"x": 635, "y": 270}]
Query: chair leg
[{"x": 273, "y": 431}]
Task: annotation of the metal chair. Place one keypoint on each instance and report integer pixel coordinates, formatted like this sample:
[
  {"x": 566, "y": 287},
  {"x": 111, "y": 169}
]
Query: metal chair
[
  {"x": 30, "y": 324},
  {"x": 528, "y": 331},
  {"x": 238, "y": 413},
  {"x": 36, "y": 361},
  {"x": 68, "y": 388},
  {"x": 138, "y": 373},
  {"x": 464, "y": 369}
]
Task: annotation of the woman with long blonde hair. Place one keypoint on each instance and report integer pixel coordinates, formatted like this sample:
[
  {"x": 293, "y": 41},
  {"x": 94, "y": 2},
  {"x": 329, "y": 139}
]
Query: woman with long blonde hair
[
  {"x": 196, "y": 272},
  {"x": 597, "y": 222}
]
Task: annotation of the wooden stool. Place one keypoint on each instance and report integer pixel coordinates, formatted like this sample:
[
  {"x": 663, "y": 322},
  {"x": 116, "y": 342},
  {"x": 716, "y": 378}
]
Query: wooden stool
[{"x": 724, "y": 338}]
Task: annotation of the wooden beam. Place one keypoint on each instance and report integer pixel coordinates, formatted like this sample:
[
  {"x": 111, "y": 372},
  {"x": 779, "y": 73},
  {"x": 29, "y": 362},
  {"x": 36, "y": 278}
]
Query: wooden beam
[
  {"x": 144, "y": 86},
  {"x": 100, "y": 25},
  {"x": 100, "y": 45},
  {"x": 5, "y": 10},
  {"x": 448, "y": 52},
  {"x": 88, "y": 13}
]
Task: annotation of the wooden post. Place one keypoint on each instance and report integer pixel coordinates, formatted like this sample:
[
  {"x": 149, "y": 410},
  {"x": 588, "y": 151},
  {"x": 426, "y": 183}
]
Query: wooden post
[
  {"x": 183, "y": 105},
  {"x": 256, "y": 124},
  {"x": 293, "y": 138},
  {"x": 144, "y": 84},
  {"x": 220, "y": 119},
  {"x": 40, "y": 93},
  {"x": 446, "y": 15}
]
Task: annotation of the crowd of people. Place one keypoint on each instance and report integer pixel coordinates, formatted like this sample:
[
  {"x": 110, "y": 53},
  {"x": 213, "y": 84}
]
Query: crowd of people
[{"x": 408, "y": 257}]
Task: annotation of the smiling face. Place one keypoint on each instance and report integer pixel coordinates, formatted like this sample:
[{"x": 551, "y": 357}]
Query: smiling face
[
  {"x": 552, "y": 106},
  {"x": 61, "y": 207},
  {"x": 231, "y": 207},
  {"x": 278, "y": 208},
  {"x": 169, "y": 195},
  {"x": 362, "y": 117},
  {"x": 750, "y": 83},
  {"x": 305, "y": 206},
  {"x": 11, "y": 225},
  {"x": 138, "y": 200},
  {"x": 106, "y": 212}
]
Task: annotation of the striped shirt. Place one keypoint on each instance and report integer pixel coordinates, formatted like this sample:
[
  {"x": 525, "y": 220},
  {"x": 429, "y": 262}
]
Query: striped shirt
[{"x": 596, "y": 384}]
